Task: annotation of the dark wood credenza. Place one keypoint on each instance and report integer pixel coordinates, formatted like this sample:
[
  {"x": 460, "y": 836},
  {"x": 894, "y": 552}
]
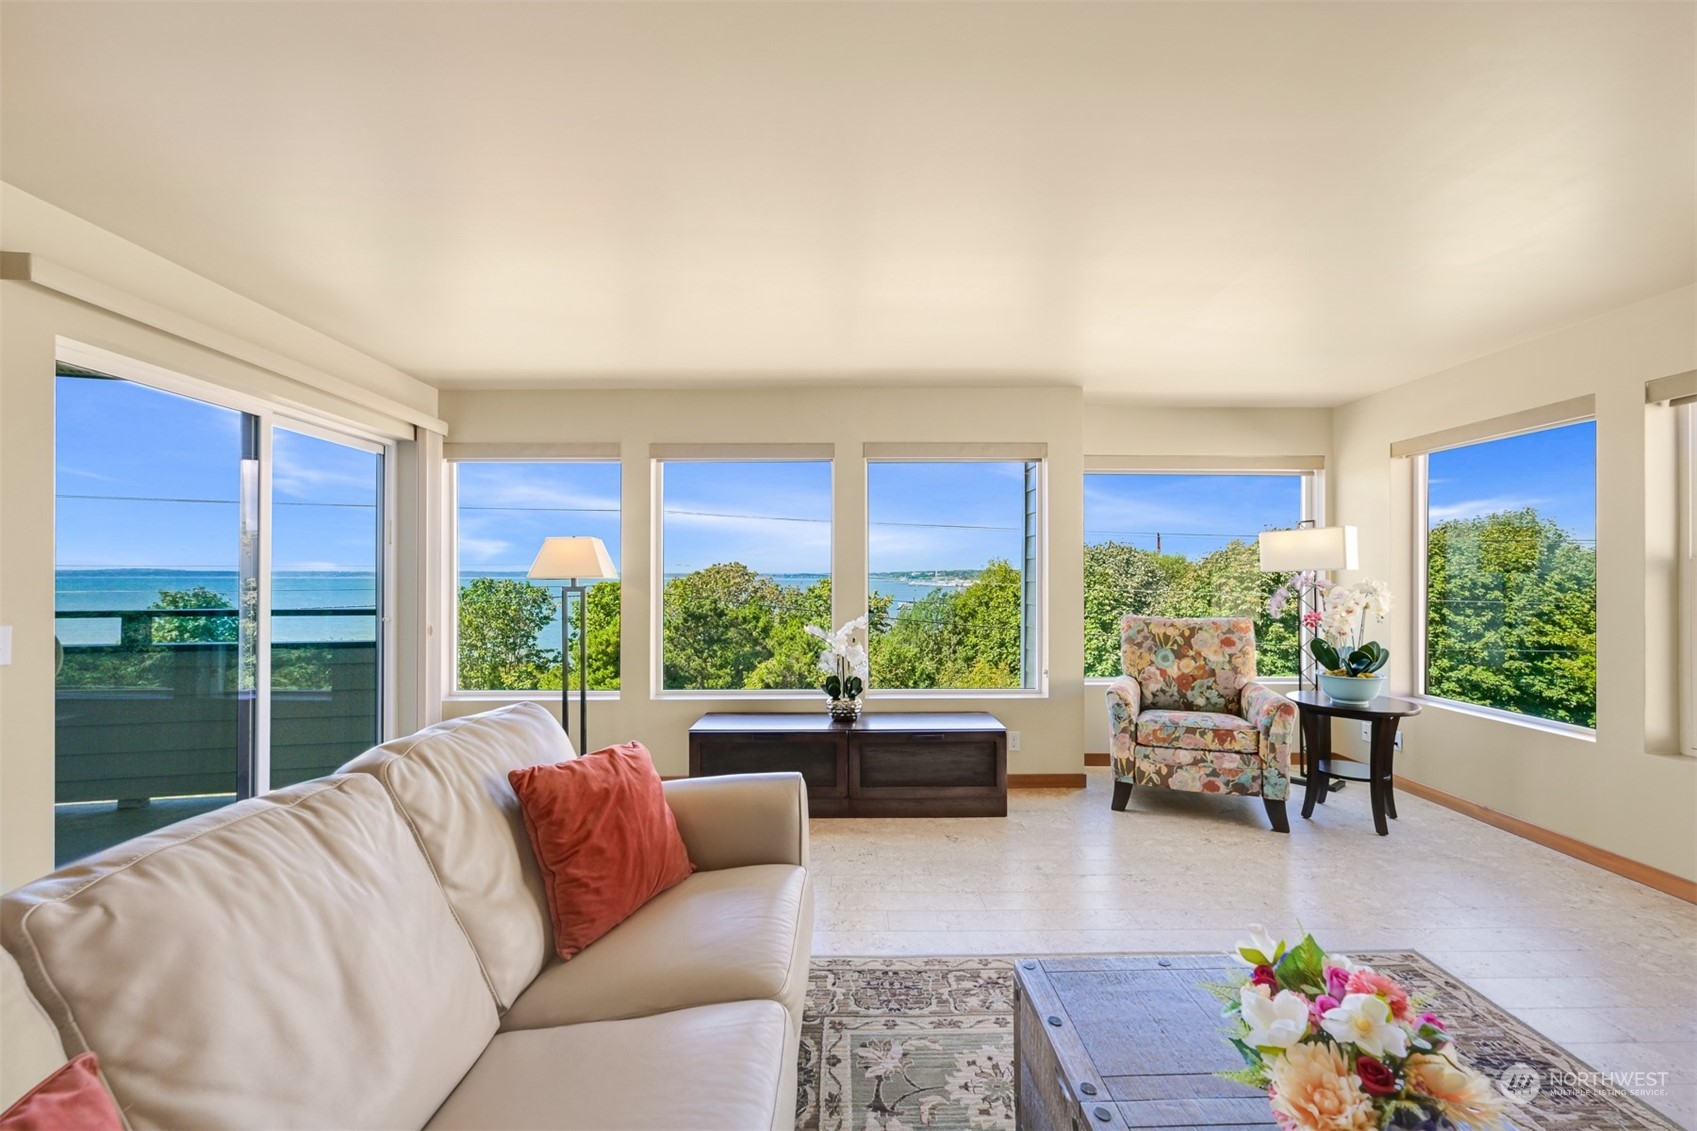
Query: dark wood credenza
[{"x": 884, "y": 765}]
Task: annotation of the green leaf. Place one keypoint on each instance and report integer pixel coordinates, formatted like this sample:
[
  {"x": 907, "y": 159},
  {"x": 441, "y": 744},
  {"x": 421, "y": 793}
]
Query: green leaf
[
  {"x": 1303, "y": 967},
  {"x": 1325, "y": 653},
  {"x": 1250, "y": 1057}
]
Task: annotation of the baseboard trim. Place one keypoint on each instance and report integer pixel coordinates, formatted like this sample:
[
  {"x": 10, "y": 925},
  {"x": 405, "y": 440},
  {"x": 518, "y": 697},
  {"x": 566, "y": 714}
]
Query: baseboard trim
[
  {"x": 1046, "y": 781},
  {"x": 1097, "y": 760},
  {"x": 1677, "y": 886}
]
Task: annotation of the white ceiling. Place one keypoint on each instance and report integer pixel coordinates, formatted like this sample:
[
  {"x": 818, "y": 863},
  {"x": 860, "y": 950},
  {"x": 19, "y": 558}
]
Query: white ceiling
[{"x": 1269, "y": 203}]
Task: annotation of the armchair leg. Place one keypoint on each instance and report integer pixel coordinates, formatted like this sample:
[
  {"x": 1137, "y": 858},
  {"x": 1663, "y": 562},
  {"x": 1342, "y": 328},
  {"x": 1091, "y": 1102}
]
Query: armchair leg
[
  {"x": 1276, "y": 814},
  {"x": 1122, "y": 794}
]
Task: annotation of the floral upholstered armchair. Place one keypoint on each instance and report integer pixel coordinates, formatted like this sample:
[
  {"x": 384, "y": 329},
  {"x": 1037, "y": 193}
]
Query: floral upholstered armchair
[{"x": 1188, "y": 713}]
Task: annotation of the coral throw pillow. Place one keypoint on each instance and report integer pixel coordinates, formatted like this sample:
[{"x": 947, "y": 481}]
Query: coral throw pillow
[
  {"x": 604, "y": 836},
  {"x": 72, "y": 1099}
]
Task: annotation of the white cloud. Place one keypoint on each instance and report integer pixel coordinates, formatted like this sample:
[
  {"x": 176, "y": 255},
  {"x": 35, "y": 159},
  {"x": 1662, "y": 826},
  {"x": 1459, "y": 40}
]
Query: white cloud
[
  {"x": 1474, "y": 508},
  {"x": 481, "y": 551}
]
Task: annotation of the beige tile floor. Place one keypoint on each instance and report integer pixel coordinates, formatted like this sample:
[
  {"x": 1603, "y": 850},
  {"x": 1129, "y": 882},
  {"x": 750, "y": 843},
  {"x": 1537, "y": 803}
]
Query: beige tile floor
[{"x": 1604, "y": 966}]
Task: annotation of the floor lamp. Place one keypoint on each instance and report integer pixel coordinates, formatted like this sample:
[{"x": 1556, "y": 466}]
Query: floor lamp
[
  {"x": 572, "y": 561},
  {"x": 1307, "y": 549}
]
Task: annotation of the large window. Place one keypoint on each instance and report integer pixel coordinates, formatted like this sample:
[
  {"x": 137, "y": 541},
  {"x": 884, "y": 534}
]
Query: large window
[
  {"x": 746, "y": 558},
  {"x": 507, "y": 626},
  {"x": 1185, "y": 545},
  {"x": 1511, "y": 573},
  {"x": 952, "y": 551}
]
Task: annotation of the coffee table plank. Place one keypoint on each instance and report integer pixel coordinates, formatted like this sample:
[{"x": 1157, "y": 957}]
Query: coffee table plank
[{"x": 1109, "y": 1041}]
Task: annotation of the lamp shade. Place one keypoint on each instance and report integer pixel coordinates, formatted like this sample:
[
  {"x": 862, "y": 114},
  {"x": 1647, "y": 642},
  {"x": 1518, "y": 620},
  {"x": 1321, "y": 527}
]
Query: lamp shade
[
  {"x": 574, "y": 559},
  {"x": 1308, "y": 547}
]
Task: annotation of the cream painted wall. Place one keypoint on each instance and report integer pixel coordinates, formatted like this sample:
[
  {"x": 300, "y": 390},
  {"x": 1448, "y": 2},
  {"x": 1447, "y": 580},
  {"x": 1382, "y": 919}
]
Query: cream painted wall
[
  {"x": 1625, "y": 791},
  {"x": 1050, "y": 725},
  {"x": 1129, "y": 430},
  {"x": 31, "y": 321}
]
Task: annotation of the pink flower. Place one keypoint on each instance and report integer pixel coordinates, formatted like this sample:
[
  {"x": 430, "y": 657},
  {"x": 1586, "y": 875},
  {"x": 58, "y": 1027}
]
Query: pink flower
[
  {"x": 1312, "y": 618},
  {"x": 1372, "y": 982},
  {"x": 1337, "y": 981},
  {"x": 1318, "y": 1010},
  {"x": 1432, "y": 1020}
]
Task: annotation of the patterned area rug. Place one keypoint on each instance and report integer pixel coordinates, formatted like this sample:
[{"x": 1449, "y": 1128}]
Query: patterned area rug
[{"x": 900, "y": 1044}]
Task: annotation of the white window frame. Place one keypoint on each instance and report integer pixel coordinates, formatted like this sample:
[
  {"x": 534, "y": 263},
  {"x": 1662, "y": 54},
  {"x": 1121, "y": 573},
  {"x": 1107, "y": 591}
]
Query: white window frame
[
  {"x": 1418, "y": 543},
  {"x": 1039, "y": 629},
  {"x": 295, "y": 419},
  {"x": 1310, "y": 470},
  {"x": 659, "y": 456},
  {"x": 1687, "y": 556},
  {"x": 452, "y": 458}
]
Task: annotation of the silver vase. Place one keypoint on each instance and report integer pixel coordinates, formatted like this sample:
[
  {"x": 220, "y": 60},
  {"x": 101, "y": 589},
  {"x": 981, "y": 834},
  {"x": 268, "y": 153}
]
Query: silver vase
[{"x": 845, "y": 710}]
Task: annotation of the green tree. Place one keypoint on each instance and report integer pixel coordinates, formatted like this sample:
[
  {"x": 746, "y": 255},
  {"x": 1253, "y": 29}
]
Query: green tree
[
  {"x": 955, "y": 638},
  {"x": 193, "y": 630},
  {"x": 602, "y": 610},
  {"x": 1121, "y": 580},
  {"x": 717, "y": 627},
  {"x": 1512, "y": 616},
  {"x": 500, "y": 619}
]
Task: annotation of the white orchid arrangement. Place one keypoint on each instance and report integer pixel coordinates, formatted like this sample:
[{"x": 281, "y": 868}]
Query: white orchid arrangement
[
  {"x": 1341, "y": 629},
  {"x": 843, "y": 659}
]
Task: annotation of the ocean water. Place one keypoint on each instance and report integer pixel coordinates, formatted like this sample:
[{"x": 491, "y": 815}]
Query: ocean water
[{"x": 125, "y": 590}]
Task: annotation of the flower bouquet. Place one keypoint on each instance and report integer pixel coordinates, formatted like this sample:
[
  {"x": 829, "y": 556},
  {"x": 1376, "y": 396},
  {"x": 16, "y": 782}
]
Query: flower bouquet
[
  {"x": 1340, "y": 1047},
  {"x": 845, "y": 664}
]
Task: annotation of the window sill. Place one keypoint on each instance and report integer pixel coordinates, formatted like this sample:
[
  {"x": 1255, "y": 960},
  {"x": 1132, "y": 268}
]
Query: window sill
[
  {"x": 875, "y": 695},
  {"x": 1495, "y": 714}
]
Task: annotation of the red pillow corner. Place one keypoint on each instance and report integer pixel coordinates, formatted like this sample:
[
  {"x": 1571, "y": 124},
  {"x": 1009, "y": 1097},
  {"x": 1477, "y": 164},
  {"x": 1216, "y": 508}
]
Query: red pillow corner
[
  {"x": 604, "y": 837},
  {"x": 73, "y": 1098}
]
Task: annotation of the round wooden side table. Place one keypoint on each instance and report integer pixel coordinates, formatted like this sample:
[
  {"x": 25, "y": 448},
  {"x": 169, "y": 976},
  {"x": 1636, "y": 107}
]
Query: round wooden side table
[{"x": 1382, "y": 715}]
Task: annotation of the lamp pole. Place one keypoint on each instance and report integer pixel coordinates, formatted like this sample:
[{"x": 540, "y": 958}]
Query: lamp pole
[{"x": 582, "y": 661}]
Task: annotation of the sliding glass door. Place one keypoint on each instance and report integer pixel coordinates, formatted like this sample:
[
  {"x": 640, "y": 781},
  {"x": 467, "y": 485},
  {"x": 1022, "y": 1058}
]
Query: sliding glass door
[
  {"x": 326, "y": 571},
  {"x": 218, "y": 605},
  {"x": 151, "y": 726}
]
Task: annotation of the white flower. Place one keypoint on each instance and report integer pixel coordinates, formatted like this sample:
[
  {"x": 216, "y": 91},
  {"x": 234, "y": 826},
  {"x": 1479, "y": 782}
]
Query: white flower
[
  {"x": 1347, "y": 964},
  {"x": 1260, "y": 948},
  {"x": 1364, "y": 1020},
  {"x": 1274, "y": 1023}
]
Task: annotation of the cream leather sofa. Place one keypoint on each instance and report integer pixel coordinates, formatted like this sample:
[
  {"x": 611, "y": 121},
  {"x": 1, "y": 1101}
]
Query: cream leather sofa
[{"x": 372, "y": 950}]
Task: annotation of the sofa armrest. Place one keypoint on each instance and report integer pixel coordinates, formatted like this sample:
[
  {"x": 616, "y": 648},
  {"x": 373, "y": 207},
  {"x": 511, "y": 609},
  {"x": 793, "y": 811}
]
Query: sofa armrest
[
  {"x": 735, "y": 820},
  {"x": 1275, "y": 716}
]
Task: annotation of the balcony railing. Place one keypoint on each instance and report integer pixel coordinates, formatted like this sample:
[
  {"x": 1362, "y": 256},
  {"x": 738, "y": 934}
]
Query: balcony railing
[{"x": 157, "y": 713}]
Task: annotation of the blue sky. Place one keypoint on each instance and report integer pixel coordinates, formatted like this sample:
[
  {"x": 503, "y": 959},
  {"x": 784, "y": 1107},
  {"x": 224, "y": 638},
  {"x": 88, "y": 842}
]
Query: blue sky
[
  {"x": 1194, "y": 514},
  {"x": 145, "y": 478},
  {"x": 148, "y": 479},
  {"x": 507, "y": 509},
  {"x": 933, "y": 516},
  {"x": 119, "y": 444},
  {"x": 1553, "y": 471}
]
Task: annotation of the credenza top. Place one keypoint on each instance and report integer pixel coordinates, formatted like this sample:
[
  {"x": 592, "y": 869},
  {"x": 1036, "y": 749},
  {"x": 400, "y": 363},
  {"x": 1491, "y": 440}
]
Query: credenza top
[{"x": 898, "y": 722}]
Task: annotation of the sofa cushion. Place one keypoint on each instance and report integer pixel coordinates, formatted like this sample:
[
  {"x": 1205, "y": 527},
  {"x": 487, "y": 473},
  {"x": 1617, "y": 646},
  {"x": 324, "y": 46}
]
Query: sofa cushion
[
  {"x": 29, "y": 1044},
  {"x": 604, "y": 837},
  {"x": 287, "y": 961},
  {"x": 450, "y": 781},
  {"x": 728, "y": 1067},
  {"x": 71, "y": 1098},
  {"x": 1198, "y": 730},
  {"x": 734, "y": 934}
]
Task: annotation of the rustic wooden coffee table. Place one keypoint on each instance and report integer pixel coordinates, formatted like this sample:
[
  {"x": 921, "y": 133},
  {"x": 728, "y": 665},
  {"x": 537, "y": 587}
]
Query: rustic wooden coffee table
[{"x": 1123, "y": 1041}]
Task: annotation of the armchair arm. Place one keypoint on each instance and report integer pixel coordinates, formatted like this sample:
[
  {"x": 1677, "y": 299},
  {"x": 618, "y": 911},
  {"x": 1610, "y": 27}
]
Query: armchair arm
[
  {"x": 1125, "y": 703},
  {"x": 1275, "y": 717},
  {"x": 740, "y": 819}
]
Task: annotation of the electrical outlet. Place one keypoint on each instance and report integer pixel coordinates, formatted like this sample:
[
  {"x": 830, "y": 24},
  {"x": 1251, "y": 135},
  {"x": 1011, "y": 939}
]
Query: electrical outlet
[
  {"x": 1367, "y": 732},
  {"x": 1396, "y": 743},
  {"x": 1013, "y": 740},
  {"x": 5, "y": 644}
]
